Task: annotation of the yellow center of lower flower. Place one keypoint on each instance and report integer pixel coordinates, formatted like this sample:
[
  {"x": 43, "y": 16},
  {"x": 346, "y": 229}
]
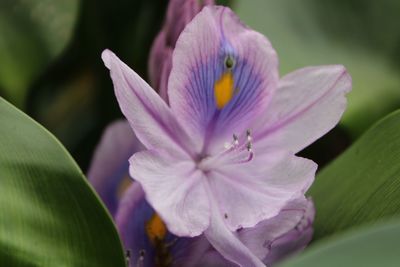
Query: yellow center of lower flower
[
  {"x": 223, "y": 89},
  {"x": 157, "y": 233},
  {"x": 155, "y": 229}
]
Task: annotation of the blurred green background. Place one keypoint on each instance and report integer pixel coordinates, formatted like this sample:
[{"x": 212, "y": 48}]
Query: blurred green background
[{"x": 50, "y": 64}]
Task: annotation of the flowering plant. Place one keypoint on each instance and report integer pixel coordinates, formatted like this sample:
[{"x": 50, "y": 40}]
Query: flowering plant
[
  {"x": 223, "y": 76},
  {"x": 208, "y": 167}
]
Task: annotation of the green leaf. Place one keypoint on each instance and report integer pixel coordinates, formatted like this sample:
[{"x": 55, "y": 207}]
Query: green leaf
[
  {"x": 49, "y": 214},
  {"x": 298, "y": 31},
  {"x": 33, "y": 32},
  {"x": 363, "y": 184},
  {"x": 368, "y": 247}
]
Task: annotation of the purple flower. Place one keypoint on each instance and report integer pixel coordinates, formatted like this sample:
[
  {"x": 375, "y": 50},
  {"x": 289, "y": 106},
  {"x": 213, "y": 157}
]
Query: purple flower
[
  {"x": 146, "y": 237},
  {"x": 221, "y": 156},
  {"x": 179, "y": 13},
  {"x": 273, "y": 239}
]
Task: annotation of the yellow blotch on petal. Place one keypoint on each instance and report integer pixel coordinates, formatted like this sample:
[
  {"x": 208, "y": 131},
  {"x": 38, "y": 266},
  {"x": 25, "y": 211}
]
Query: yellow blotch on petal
[
  {"x": 155, "y": 229},
  {"x": 223, "y": 89}
]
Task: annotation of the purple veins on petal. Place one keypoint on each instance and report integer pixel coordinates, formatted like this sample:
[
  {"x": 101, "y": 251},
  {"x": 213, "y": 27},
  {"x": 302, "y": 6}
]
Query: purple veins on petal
[
  {"x": 199, "y": 62},
  {"x": 310, "y": 100}
]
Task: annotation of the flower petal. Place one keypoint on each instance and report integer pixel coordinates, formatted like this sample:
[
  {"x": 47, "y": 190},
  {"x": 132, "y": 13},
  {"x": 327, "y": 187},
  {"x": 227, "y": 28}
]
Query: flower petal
[
  {"x": 214, "y": 259},
  {"x": 225, "y": 241},
  {"x": 180, "y": 13},
  {"x": 175, "y": 189},
  {"x": 273, "y": 239},
  {"x": 308, "y": 103},
  {"x": 165, "y": 71},
  {"x": 189, "y": 251},
  {"x": 277, "y": 237},
  {"x": 222, "y": 76},
  {"x": 150, "y": 117},
  {"x": 110, "y": 164},
  {"x": 160, "y": 64},
  {"x": 294, "y": 240},
  {"x": 259, "y": 189}
]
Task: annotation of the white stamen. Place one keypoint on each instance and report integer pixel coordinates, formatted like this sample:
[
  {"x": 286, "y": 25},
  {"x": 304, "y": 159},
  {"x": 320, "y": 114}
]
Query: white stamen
[
  {"x": 234, "y": 153},
  {"x": 235, "y": 140},
  {"x": 248, "y": 135}
]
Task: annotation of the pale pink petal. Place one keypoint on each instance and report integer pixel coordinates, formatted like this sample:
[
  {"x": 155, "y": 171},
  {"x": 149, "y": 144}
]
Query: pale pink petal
[
  {"x": 165, "y": 71},
  {"x": 274, "y": 239},
  {"x": 295, "y": 240},
  {"x": 109, "y": 166},
  {"x": 259, "y": 189},
  {"x": 175, "y": 190},
  {"x": 263, "y": 239},
  {"x": 225, "y": 241},
  {"x": 157, "y": 58},
  {"x": 308, "y": 103},
  {"x": 198, "y": 63},
  {"x": 150, "y": 117}
]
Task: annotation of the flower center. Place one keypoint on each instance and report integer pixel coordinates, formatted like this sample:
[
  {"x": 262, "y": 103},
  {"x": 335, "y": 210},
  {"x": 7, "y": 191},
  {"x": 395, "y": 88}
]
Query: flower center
[
  {"x": 156, "y": 229},
  {"x": 235, "y": 152},
  {"x": 156, "y": 232}
]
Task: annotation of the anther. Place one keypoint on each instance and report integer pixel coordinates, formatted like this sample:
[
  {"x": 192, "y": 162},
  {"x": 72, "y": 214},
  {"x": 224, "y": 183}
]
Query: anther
[
  {"x": 236, "y": 152},
  {"x": 248, "y": 134},
  {"x": 232, "y": 145},
  {"x": 235, "y": 139}
]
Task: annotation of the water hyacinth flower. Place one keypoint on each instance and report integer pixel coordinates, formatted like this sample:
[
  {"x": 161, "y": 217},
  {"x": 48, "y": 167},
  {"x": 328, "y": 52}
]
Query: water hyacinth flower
[
  {"x": 221, "y": 156},
  {"x": 148, "y": 240}
]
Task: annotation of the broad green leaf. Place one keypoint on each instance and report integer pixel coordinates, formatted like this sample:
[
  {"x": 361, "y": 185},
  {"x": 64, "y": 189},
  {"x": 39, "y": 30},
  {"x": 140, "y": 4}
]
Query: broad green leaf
[
  {"x": 297, "y": 30},
  {"x": 49, "y": 215},
  {"x": 363, "y": 184},
  {"x": 367, "y": 247},
  {"x": 33, "y": 32}
]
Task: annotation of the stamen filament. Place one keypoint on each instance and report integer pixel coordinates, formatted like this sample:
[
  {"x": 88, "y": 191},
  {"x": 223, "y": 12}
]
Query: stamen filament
[
  {"x": 140, "y": 261},
  {"x": 233, "y": 154}
]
